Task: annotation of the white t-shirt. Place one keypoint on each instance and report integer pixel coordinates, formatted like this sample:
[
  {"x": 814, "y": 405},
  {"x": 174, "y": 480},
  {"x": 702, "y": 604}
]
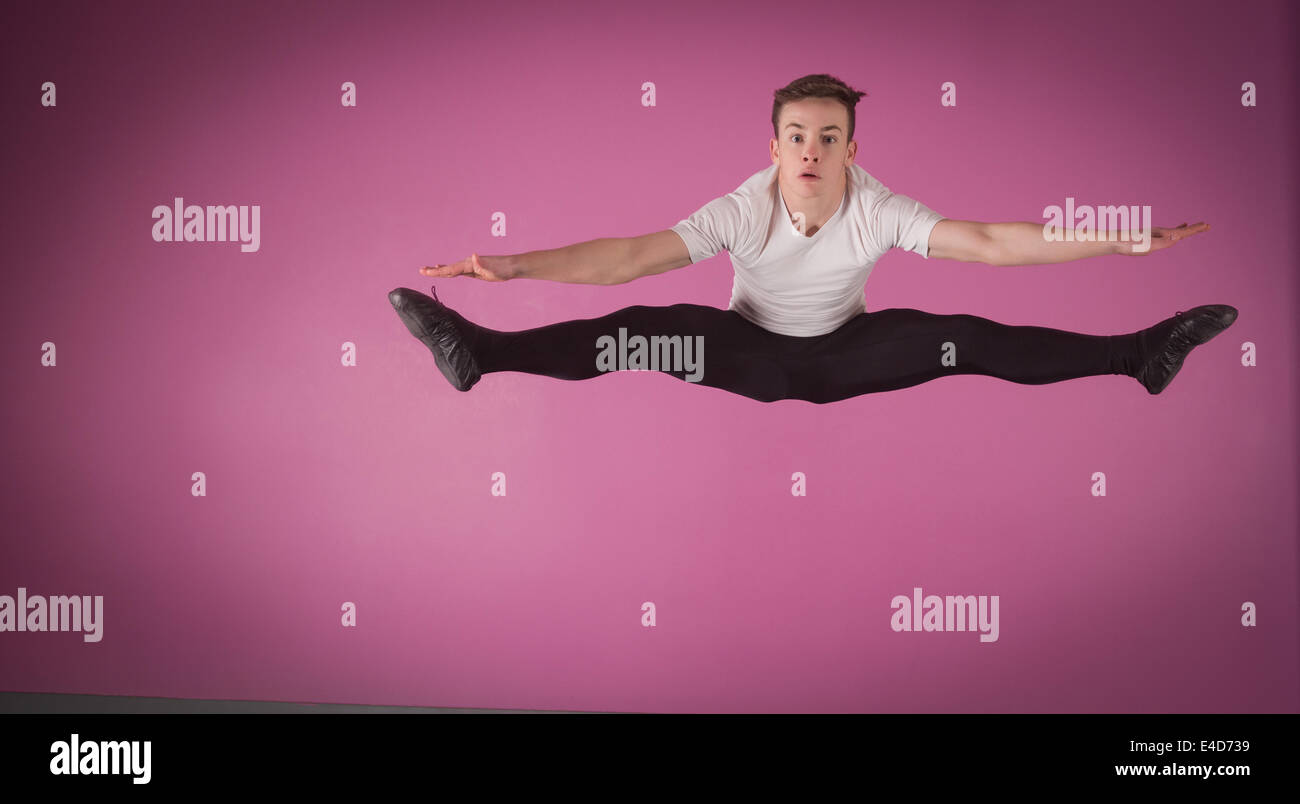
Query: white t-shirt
[{"x": 796, "y": 285}]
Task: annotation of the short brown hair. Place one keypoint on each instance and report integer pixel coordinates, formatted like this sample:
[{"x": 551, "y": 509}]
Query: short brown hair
[{"x": 818, "y": 85}]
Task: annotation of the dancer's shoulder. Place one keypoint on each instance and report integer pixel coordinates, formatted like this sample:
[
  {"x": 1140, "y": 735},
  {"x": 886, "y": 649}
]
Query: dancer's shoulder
[{"x": 863, "y": 183}]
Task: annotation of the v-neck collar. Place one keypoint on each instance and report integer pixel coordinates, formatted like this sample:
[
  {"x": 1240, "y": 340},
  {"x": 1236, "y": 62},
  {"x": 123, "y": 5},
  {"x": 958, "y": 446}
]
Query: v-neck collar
[{"x": 820, "y": 229}]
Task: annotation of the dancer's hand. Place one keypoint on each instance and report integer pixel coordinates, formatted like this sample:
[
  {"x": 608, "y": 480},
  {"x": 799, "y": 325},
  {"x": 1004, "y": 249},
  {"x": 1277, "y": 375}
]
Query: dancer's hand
[
  {"x": 489, "y": 269},
  {"x": 1164, "y": 238}
]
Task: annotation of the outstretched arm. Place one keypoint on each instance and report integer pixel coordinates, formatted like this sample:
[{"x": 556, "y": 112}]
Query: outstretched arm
[
  {"x": 605, "y": 261},
  {"x": 1024, "y": 243}
]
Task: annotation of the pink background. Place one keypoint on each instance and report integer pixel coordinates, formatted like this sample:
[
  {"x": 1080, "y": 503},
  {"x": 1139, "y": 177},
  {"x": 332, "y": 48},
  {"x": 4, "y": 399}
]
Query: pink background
[{"x": 372, "y": 484}]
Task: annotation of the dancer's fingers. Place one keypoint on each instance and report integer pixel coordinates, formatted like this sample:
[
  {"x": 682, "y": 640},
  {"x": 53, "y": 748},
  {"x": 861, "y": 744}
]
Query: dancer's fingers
[
  {"x": 443, "y": 270},
  {"x": 453, "y": 269},
  {"x": 1187, "y": 231}
]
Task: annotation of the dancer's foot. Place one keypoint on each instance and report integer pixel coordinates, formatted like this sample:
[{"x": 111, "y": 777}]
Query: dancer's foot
[
  {"x": 441, "y": 329},
  {"x": 1169, "y": 342}
]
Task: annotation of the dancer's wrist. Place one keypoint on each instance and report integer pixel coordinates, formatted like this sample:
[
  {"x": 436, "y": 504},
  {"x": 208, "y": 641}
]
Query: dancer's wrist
[
  {"x": 1121, "y": 246},
  {"x": 505, "y": 266}
]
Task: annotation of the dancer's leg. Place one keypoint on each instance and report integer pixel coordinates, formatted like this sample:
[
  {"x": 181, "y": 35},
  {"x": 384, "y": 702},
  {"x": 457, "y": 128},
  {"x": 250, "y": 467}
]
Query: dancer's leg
[
  {"x": 872, "y": 352},
  {"x": 900, "y": 347},
  {"x": 736, "y": 355}
]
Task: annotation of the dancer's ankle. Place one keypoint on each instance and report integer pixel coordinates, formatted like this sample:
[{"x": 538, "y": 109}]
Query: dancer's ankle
[
  {"x": 481, "y": 343},
  {"x": 1127, "y": 354}
]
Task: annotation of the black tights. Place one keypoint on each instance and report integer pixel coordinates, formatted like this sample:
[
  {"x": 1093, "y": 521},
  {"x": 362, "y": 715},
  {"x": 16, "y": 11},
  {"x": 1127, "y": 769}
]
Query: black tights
[{"x": 871, "y": 352}]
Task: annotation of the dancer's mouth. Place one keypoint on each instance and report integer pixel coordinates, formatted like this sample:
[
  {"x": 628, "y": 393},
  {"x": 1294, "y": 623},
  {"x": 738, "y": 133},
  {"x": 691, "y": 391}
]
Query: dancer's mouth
[{"x": 809, "y": 177}]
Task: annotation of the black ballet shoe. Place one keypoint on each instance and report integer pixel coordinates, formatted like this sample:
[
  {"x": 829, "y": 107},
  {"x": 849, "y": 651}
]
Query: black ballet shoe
[
  {"x": 1188, "y": 330},
  {"x": 441, "y": 329}
]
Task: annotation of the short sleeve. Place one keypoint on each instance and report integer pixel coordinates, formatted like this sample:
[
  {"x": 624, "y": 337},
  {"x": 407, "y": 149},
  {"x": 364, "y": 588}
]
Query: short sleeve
[
  {"x": 902, "y": 222},
  {"x": 719, "y": 225}
]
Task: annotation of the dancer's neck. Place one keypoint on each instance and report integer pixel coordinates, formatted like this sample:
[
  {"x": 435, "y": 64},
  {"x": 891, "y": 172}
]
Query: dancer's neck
[{"x": 816, "y": 210}]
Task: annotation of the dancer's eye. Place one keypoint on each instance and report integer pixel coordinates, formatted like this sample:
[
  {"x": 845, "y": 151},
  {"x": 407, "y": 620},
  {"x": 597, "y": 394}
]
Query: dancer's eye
[{"x": 827, "y": 137}]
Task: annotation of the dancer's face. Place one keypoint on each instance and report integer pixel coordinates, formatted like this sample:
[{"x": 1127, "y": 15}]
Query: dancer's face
[{"x": 813, "y": 137}]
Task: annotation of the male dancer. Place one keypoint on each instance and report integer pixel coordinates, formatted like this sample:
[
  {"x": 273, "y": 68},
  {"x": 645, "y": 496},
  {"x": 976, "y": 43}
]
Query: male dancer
[{"x": 803, "y": 236}]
